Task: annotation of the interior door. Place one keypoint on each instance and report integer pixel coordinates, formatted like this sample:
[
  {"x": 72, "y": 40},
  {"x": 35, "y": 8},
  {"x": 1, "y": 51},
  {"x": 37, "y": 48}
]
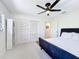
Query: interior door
[
  {"x": 9, "y": 33},
  {"x": 33, "y": 30}
]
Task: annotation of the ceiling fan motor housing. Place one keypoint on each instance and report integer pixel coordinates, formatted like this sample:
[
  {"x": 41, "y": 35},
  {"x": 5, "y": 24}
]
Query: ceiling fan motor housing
[{"x": 47, "y": 4}]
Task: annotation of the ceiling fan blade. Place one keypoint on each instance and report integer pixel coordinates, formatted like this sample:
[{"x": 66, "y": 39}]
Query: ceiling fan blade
[
  {"x": 54, "y": 4},
  {"x": 41, "y": 12},
  {"x": 41, "y": 7},
  {"x": 56, "y": 10}
]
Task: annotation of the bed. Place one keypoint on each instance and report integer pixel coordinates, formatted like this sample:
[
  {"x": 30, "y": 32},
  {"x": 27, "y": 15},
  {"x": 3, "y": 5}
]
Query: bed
[{"x": 59, "y": 48}]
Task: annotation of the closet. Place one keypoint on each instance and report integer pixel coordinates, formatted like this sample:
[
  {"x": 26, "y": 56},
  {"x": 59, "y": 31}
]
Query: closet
[{"x": 26, "y": 31}]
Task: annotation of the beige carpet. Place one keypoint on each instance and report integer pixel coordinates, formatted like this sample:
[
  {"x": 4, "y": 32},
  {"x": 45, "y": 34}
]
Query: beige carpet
[{"x": 26, "y": 51}]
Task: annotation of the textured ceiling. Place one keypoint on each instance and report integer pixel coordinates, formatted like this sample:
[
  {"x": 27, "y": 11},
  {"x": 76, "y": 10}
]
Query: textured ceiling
[{"x": 28, "y": 7}]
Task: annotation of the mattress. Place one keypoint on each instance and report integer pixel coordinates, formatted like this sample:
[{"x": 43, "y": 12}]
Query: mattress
[{"x": 71, "y": 46}]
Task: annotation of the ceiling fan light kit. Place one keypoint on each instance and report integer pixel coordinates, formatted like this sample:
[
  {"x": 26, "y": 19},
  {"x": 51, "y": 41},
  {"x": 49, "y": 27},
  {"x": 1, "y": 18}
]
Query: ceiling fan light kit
[
  {"x": 47, "y": 12},
  {"x": 49, "y": 8}
]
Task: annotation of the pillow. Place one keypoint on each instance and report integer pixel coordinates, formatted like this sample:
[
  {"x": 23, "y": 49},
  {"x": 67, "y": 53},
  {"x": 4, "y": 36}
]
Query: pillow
[
  {"x": 66, "y": 35},
  {"x": 75, "y": 36}
]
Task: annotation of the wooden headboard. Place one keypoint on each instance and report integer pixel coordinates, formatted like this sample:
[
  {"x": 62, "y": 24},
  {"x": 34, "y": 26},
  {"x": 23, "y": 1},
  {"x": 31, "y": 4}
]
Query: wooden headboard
[{"x": 76, "y": 30}]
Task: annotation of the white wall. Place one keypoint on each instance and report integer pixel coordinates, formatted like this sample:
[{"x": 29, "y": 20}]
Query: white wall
[
  {"x": 67, "y": 20},
  {"x": 53, "y": 28},
  {"x": 3, "y": 10},
  {"x": 2, "y": 37}
]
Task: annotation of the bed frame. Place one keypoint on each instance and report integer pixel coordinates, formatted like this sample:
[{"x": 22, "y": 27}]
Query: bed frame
[
  {"x": 56, "y": 52},
  {"x": 76, "y": 30}
]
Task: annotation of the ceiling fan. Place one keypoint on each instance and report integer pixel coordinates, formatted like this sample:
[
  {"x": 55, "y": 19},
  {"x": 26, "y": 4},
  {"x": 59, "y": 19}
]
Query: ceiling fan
[{"x": 49, "y": 7}]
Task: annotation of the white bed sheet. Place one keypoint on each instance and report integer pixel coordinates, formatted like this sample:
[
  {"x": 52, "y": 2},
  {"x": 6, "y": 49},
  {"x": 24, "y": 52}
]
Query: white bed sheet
[{"x": 71, "y": 46}]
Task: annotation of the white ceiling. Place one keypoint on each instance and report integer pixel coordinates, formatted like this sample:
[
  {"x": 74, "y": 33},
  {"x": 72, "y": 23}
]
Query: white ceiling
[{"x": 28, "y": 7}]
